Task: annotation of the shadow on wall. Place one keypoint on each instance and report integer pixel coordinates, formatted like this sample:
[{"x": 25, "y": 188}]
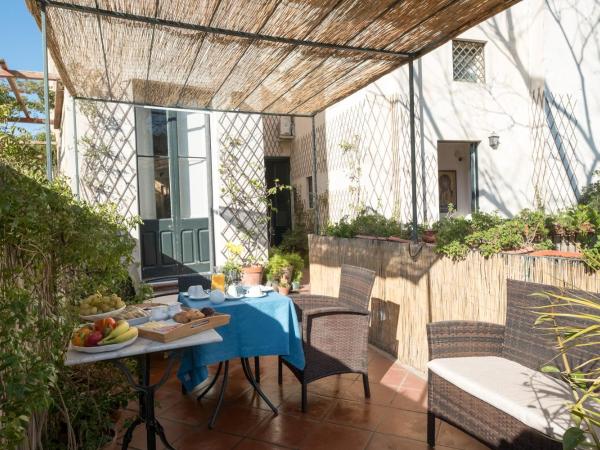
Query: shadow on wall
[{"x": 561, "y": 168}]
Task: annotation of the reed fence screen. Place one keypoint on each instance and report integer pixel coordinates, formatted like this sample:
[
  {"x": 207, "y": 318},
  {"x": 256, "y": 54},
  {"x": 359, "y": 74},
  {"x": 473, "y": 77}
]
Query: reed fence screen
[{"x": 415, "y": 286}]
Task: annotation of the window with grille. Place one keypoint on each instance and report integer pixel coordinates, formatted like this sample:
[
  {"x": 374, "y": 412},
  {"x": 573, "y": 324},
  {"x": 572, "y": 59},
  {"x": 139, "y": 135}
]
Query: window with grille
[{"x": 468, "y": 61}]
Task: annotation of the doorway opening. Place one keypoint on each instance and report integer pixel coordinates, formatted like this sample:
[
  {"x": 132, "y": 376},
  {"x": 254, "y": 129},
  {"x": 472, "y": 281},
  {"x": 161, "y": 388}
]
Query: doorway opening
[
  {"x": 174, "y": 191},
  {"x": 458, "y": 179},
  {"x": 278, "y": 168}
]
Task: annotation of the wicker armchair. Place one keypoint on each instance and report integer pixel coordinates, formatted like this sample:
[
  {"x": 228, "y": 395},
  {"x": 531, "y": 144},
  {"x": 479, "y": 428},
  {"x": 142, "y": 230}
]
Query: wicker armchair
[
  {"x": 335, "y": 331},
  {"x": 515, "y": 344}
]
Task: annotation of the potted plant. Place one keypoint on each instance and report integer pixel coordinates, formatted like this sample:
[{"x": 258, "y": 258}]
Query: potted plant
[
  {"x": 284, "y": 286},
  {"x": 284, "y": 266},
  {"x": 250, "y": 269}
]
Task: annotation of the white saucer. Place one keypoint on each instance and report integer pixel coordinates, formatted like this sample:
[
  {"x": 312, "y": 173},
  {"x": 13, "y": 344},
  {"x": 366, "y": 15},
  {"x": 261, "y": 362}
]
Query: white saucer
[{"x": 204, "y": 297}]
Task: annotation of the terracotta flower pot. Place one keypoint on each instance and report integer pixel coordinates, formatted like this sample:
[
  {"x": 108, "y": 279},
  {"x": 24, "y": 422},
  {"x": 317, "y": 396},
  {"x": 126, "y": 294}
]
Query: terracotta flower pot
[
  {"x": 428, "y": 237},
  {"x": 252, "y": 275},
  {"x": 284, "y": 290}
]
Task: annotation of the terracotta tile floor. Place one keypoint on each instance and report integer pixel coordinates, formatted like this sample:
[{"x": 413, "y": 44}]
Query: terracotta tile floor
[{"x": 339, "y": 416}]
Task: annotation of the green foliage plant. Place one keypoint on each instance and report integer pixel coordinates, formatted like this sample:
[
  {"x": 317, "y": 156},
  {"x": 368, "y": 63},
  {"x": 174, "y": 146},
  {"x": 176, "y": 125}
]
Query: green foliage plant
[
  {"x": 281, "y": 262},
  {"x": 367, "y": 222},
  {"x": 584, "y": 378},
  {"x": 590, "y": 195},
  {"x": 54, "y": 251}
]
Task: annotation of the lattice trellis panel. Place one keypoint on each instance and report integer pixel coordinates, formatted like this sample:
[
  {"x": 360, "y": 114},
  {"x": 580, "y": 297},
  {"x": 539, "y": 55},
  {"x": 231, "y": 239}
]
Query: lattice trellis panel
[
  {"x": 107, "y": 149},
  {"x": 553, "y": 125},
  {"x": 301, "y": 167},
  {"x": 374, "y": 136},
  {"x": 271, "y": 136},
  {"x": 242, "y": 172}
]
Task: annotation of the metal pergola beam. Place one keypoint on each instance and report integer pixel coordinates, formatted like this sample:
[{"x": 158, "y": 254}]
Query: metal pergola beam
[
  {"x": 204, "y": 109},
  {"x": 413, "y": 149},
  {"x": 222, "y": 31},
  {"x": 314, "y": 175},
  {"x": 46, "y": 95}
]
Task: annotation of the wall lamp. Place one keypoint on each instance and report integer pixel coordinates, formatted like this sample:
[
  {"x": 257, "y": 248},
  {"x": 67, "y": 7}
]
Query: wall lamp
[{"x": 494, "y": 140}]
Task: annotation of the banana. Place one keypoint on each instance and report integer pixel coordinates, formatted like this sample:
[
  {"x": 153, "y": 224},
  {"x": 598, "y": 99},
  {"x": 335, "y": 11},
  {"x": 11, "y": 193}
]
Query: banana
[
  {"x": 121, "y": 328},
  {"x": 129, "y": 334}
]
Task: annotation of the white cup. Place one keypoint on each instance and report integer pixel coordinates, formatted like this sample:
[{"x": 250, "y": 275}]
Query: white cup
[
  {"x": 232, "y": 290},
  {"x": 196, "y": 291},
  {"x": 159, "y": 313},
  {"x": 174, "y": 308},
  {"x": 254, "y": 291}
]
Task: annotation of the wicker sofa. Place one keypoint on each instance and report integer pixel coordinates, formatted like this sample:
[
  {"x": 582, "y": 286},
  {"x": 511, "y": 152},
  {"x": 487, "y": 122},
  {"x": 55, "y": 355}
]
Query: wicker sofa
[{"x": 484, "y": 378}]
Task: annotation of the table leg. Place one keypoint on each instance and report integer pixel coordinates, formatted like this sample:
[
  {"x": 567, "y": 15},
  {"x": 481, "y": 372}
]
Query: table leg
[
  {"x": 212, "y": 383},
  {"x": 257, "y": 369},
  {"x": 213, "y": 419},
  {"x": 250, "y": 378},
  {"x": 146, "y": 393}
]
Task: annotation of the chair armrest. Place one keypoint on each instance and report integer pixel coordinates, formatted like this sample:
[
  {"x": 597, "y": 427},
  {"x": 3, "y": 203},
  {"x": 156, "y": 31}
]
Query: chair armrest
[
  {"x": 456, "y": 338},
  {"x": 317, "y": 305}
]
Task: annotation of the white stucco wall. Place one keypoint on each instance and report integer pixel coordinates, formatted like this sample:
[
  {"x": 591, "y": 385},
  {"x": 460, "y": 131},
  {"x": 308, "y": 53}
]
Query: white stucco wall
[{"x": 536, "y": 44}]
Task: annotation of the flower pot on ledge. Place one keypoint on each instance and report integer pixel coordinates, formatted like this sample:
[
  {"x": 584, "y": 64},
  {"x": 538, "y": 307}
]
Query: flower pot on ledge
[
  {"x": 252, "y": 275},
  {"x": 428, "y": 237},
  {"x": 557, "y": 254},
  {"x": 284, "y": 290}
]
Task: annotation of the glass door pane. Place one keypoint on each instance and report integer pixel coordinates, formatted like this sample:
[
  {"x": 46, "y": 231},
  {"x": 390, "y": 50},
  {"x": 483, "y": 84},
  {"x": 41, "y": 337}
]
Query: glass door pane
[
  {"x": 193, "y": 188},
  {"x": 153, "y": 164}
]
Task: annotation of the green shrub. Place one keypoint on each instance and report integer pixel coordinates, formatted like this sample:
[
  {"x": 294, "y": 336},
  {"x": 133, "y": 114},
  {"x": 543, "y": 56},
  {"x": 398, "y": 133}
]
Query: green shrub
[
  {"x": 54, "y": 251},
  {"x": 280, "y": 261},
  {"x": 367, "y": 223},
  {"x": 590, "y": 195},
  {"x": 507, "y": 235},
  {"x": 451, "y": 234},
  {"x": 295, "y": 240}
]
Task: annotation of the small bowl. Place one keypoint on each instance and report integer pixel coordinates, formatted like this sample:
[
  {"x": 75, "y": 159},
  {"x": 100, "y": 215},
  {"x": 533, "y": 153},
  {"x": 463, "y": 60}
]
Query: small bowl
[{"x": 159, "y": 313}]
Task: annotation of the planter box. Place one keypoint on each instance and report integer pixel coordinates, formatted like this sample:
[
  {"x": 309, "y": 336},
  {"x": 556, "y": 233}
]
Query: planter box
[{"x": 413, "y": 288}]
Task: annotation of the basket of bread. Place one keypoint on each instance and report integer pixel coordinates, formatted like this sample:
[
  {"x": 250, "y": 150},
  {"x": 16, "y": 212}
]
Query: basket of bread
[{"x": 183, "y": 324}]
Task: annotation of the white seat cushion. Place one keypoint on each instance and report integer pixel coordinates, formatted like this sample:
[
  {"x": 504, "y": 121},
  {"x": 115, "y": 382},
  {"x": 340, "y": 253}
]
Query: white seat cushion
[{"x": 534, "y": 398}]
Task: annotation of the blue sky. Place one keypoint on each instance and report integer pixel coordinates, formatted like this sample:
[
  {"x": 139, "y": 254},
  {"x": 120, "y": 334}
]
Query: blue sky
[
  {"x": 20, "y": 41},
  {"x": 20, "y": 37}
]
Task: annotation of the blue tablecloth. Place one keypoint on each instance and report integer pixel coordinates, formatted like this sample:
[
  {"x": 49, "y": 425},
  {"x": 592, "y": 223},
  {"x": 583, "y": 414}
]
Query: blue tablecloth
[{"x": 258, "y": 327}]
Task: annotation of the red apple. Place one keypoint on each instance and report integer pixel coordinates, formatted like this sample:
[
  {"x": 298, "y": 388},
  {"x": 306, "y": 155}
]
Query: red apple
[{"x": 93, "y": 338}]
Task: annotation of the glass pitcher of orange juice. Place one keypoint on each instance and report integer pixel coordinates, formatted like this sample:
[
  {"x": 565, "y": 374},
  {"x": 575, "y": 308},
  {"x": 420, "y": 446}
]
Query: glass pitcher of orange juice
[{"x": 217, "y": 281}]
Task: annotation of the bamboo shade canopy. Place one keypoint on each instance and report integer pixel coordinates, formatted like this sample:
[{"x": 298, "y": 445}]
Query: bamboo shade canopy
[{"x": 268, "y": 56}]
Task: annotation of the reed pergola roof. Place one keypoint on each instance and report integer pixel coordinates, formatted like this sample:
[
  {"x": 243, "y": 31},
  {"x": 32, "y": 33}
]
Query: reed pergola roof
[{"x": 268, "y": 56}]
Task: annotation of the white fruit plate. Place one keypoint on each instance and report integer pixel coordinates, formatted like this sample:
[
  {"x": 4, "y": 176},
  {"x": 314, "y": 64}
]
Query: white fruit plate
[
  {"x": 102, "y": 315},
  {"x": 103, "y": 348}
]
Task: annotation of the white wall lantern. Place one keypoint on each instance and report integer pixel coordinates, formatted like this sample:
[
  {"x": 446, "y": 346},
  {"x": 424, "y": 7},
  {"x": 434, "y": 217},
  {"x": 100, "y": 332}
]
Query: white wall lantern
[{"x": 494, "y": 140}]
